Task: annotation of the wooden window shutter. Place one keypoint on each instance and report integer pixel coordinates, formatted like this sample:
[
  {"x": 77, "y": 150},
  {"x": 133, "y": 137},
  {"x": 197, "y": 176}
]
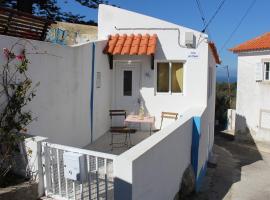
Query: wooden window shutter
[{"x": 259, "y": 72}]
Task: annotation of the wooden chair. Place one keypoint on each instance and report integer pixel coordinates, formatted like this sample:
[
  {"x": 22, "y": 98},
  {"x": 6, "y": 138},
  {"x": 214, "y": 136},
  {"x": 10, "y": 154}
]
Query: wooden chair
[
  {"x": 166, "y": 115},
  {"x": 120, "y": 130}
]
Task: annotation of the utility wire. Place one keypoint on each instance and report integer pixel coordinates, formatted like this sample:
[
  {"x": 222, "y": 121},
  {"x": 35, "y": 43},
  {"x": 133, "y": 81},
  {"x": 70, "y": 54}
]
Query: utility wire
[
  {"x": 214, "y": 15},
  {"x": 202, "y": 16},
  {"x": 238, "y": 25}
]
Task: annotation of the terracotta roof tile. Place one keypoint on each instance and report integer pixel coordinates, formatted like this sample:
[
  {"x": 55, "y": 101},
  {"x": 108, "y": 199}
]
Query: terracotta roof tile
[
  {"x": 135, "y": 44},
  {"x": 152, "y": 45},
  {"x": 259, "y": 43},
  {"x": 127, "y": 45},
  {"x": 143, "y": 45},
  {"x": 119, "y": 44},
  {"x": 111, "y": 43},
  {"x": 131, "y": 44}
]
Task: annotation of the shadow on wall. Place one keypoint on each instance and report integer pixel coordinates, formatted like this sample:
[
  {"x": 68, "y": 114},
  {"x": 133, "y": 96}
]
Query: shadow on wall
[
  {"x": 232, "y": 156},
  {"x": 122, "y": 189},
  {"x": 242, "y": 132}
]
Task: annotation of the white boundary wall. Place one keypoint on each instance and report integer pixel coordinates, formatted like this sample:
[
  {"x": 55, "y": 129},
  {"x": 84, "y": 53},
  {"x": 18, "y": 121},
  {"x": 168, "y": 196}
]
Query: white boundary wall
[
  {"x": 153, "y": 169},
  {"x": 62, "y": 104}
]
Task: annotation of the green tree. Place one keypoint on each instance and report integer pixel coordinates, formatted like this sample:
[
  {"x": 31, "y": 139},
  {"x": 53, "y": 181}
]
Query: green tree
[{"x": 51, "y": 10}]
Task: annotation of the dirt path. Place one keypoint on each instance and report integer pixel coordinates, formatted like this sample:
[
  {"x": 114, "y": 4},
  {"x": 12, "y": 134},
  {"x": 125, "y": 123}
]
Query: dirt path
[{"x": 242, "y": 173}]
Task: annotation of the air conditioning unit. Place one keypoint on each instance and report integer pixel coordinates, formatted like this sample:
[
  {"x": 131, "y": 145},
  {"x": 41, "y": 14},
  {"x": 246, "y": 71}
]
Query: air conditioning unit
[{"x": 190, "y": 40}]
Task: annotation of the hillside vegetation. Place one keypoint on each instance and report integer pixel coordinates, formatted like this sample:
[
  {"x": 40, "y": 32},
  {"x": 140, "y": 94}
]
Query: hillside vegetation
[{"x": 223, "y": 103}]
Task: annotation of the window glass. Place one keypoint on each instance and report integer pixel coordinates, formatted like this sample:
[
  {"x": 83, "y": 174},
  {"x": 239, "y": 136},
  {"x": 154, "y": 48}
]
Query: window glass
[
  {"x": 163, "y": 77},
  {"x": 127, "y": 86},
  {"x": 177, "y": 77}
]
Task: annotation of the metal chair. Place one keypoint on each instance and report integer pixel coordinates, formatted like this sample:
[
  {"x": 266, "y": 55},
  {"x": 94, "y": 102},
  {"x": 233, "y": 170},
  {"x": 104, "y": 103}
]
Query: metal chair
[
  {"x": 120, "y": 130},
  {"x": 167, "y": 115}
]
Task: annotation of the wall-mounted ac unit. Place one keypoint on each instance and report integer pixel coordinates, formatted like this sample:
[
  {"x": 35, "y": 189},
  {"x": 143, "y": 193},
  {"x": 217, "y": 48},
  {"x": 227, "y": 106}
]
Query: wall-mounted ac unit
[{"x": 190, "y": 40}]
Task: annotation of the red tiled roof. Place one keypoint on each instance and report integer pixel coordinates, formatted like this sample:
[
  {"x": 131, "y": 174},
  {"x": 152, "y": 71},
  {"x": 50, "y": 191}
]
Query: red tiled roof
[
  {"x": 131, "y": 44},
  {"x": 214, "y": 51},
  {"x": 259, "y": 43}
]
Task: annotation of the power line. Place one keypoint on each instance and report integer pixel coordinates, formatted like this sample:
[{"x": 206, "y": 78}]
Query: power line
[
  {"x": 238, "y": 25},
  {"x": 202, "y": 16},
  {"x": 214, "y": 15}
]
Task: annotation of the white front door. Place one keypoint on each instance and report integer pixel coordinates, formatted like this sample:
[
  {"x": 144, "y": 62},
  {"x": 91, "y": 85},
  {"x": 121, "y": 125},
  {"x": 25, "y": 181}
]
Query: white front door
[{"x": 127, "y": 84}]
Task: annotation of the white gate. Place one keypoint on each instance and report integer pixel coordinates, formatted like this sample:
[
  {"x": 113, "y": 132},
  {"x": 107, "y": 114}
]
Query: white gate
[{"x": 99, "y": 167}]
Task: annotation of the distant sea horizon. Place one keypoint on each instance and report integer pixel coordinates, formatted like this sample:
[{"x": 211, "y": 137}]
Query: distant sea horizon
[{"x": 221, "y": 79}]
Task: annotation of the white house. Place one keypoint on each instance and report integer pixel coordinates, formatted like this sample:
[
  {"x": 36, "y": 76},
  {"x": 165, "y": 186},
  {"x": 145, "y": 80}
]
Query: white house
[
  {"x": 252, "y": 104},
  {"x": 137, "y": 60}
]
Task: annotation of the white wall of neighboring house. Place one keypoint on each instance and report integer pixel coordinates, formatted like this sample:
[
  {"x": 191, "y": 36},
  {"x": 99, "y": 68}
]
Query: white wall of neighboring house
[{"x": 252, "y": 97}]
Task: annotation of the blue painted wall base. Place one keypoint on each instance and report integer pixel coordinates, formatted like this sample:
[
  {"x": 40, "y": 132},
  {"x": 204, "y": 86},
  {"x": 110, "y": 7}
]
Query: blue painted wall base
[{"x": 196, "y": 135}]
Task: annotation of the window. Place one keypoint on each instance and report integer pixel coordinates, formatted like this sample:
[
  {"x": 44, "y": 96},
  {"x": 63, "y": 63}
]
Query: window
[
  {"x": 170, "y": 77},
  {"x": 266, "y": 71},
  {"x": 127, "y": 85},
  {"x": 163, "y": 77}
]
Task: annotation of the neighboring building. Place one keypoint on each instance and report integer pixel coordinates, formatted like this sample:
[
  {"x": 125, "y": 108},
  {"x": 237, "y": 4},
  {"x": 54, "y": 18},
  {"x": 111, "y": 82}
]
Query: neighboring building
[
  {"x": 71, "y": 34},
  {"x": 137, "y": 61},
  {"x": 253, "y": 86}
]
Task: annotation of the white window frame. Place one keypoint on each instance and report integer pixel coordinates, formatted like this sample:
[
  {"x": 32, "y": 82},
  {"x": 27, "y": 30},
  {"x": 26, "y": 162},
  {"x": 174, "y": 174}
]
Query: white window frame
[
  {"x": 264, "y": 71},
  {"x": 170, "y": 77}
]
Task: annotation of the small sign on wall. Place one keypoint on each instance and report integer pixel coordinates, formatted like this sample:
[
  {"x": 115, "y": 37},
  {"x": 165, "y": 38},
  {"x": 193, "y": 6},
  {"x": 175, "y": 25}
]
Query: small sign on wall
[
  {"x": 193, "y": 54},
  {"x": 98, "y": 80}
]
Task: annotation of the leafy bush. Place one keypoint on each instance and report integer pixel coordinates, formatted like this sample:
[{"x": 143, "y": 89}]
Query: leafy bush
[
  {"x": 16, "y": 92},
  {"x": 223, "y": 102}
]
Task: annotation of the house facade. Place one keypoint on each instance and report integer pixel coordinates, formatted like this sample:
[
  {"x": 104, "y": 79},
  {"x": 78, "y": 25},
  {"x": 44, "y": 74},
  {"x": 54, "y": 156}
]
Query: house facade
[
  {"x": 252, "y": 104},
  {"x": 137, "y": 62}
]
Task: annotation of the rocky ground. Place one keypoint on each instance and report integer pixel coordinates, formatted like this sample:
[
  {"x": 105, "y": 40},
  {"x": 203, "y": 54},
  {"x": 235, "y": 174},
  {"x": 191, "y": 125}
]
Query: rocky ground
[{"x": 242, "y": 172}]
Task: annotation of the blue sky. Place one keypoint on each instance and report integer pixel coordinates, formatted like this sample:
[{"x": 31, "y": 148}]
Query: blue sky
[{"x": 186, "y": 13}]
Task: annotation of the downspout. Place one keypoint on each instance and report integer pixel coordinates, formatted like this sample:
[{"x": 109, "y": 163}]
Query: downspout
[{"x": 92, "y": 90}]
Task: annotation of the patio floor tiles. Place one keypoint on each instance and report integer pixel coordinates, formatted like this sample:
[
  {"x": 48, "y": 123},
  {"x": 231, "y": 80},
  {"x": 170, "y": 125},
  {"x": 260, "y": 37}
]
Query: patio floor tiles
[{"x": 102, "y": 144}]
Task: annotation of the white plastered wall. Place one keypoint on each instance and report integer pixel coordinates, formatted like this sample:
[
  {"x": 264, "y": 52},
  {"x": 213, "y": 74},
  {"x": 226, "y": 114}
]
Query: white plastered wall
[
  {"x": 168, "y": 48},
  {"x": 252, "y": 96},
  {"x": 102, "y": 94},
  {"x": 62, "y": 104}
]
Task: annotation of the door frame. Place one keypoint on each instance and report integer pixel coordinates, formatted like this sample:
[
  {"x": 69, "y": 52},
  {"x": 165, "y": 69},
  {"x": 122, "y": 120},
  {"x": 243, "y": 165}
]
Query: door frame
[{"x": 128, "y": 62}]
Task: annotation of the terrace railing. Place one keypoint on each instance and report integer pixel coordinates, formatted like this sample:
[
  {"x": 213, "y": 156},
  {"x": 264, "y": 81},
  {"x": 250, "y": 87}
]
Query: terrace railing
[
  {"x": 99, "y": 167},
  {"x": 23, "y": 25}
]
